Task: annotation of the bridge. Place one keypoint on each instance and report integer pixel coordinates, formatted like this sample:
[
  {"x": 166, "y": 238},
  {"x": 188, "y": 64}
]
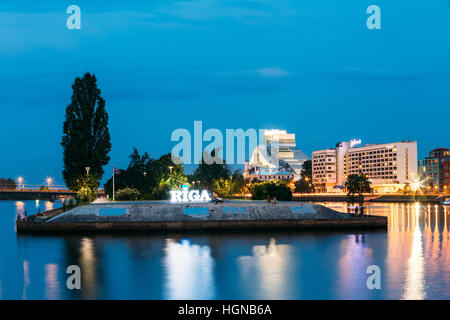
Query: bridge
[{"x": 32, "y": 194}]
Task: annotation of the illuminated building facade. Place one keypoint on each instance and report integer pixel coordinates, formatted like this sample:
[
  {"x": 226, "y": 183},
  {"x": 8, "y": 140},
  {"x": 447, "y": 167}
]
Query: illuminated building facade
[
  {"x": 389, "y": 166},
  {"x": 277, "y": 158},
  {"x": 324, "y": 171},
  {"x": 433, "y": 170}
]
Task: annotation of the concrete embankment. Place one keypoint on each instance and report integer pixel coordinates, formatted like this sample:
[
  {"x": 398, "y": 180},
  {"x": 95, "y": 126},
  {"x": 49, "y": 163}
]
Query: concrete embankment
[
  {"x": 169, "y": 217},
  {"x": 369, "y": 198}
]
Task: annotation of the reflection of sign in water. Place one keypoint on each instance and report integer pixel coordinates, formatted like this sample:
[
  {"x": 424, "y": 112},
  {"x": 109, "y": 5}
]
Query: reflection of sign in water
[
  {"x": 189, "y": 196},
  {"x": 355, "y": 142}
]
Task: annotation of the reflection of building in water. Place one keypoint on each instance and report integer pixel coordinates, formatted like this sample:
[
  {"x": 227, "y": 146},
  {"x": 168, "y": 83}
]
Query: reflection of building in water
[
  {"x": 353, "y": 259},
  {"x": 88, "y": 266},
  {"x": 52, "y": 288},
  {"x": 405, "y": 259},
  {"x": 26, "y": 279},
  {"x": 271, "y": 265},
  {"x": 415, "y": 277},
  {"x": 49, "y": 205},
  {"x": 20, "y": 207},
  {"x": 85, "y": 254},
  {"x": 416, "y": 234},
  {"x": 189, "y": 271}
]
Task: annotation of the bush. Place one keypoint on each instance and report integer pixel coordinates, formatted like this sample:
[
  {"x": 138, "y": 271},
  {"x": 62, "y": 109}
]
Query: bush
[
  {"x": 86, "y": 194},
  {"x": 127, "y": 194},
  {"x": 278, "y": 189}
]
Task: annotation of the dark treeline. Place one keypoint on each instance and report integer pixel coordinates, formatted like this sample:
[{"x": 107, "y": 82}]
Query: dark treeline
[
  {"x": 147, "y": 178},
  {"x": 7, "y": 183}
]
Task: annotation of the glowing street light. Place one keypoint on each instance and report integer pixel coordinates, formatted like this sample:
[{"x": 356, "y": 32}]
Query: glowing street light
[
  {"x": 170, "y": 168},
  {"x": 416, "y": 185},
  {"x": 49, "y": 181},
  {"x": 20, "y": 182}
]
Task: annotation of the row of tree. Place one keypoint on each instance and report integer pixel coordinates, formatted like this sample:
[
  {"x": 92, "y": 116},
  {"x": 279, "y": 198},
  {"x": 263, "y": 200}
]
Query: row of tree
[
  {"x": 7, "y": 183},
  {"x": 147, "y": 178}
]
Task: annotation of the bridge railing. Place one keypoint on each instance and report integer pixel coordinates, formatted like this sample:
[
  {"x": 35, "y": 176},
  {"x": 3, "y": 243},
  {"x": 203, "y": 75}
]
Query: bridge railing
[{"x": 50, "y": 190}]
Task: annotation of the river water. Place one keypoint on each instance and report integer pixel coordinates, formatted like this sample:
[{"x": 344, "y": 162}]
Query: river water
[{"x": 413, "y": 256}]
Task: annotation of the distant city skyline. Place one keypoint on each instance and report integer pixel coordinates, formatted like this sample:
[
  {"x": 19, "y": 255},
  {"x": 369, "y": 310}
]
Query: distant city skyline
[{"x": 313, "y": 69}]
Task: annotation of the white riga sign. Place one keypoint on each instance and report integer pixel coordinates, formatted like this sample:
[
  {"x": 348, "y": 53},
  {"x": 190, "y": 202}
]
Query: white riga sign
[{"x": 189, "y": 196}]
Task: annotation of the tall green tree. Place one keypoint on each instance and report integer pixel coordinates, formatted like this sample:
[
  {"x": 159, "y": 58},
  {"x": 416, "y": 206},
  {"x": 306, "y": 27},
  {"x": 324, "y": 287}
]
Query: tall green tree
[
  {"x": 307, "y": 170},
  {"x": 86, "y": 140},
  {"x": 304, "y": 184},
  {"x": 208, "y": 173}
]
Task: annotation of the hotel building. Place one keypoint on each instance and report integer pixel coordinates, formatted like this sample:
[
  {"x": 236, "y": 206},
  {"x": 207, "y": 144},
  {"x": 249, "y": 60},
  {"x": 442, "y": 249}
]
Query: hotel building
[
  {"x": 433, "y": 170},
  {"x": 277, "y": 158},
  {"x": 389, "y": 166}
]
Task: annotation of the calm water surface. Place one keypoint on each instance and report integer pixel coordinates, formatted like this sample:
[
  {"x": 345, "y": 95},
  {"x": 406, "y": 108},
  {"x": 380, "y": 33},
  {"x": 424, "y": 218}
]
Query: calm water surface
[{"x": 413, "y": 254}]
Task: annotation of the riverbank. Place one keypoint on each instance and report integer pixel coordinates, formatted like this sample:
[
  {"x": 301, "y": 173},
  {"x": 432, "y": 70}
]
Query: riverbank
[
  {"x": 401, "y": 198},
  {"x": 163, "y": 216}
]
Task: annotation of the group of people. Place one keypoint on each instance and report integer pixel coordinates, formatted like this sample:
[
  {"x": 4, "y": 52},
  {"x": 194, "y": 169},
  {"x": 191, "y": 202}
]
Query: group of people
[
  {"x": 274, "y": 200},
  {"x": 22, "y": 216}
]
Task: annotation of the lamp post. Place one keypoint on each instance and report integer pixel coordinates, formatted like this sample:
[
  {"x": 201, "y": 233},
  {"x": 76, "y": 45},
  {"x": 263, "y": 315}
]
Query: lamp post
[
  {"x": 170, "y": 169},
  {"x": 49, "y": 181},
  {"x": 20, "y": 181},
  {"x": 87, "y": 171}
]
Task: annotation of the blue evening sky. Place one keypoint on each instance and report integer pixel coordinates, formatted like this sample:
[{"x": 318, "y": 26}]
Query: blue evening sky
[{"x": 310, "y": 67}]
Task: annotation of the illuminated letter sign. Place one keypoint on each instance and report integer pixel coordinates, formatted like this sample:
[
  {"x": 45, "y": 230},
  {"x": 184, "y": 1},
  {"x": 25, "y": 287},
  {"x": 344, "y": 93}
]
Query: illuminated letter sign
[
  {"x": 189, "y": 196},
  {"x": 354, "y": 142}
]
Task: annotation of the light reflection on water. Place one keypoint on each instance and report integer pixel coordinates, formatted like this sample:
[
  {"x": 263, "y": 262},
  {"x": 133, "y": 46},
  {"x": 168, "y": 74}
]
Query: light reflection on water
[
  {"x": 413, "y": 255},
  {"x": 270, "y": 265},
  {"x": 189, "y": 271}
]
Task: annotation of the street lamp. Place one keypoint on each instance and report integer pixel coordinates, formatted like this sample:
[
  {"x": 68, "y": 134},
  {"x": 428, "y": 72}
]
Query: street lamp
[
  {"x": 49, "y": 181},
  {"x": 87, "y": 171},
  {"x": 20, "y": 181},
  {"x": 170, "y": 168}
]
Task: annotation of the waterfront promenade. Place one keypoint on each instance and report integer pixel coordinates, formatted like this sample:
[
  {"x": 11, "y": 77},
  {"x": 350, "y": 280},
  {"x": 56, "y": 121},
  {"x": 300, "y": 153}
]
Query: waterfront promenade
[{"x": 385, "y": 198}]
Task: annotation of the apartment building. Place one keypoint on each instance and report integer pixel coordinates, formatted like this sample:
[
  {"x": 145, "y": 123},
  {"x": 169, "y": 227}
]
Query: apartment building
[
  {"x": 433, "y": 169},
  {"x": 389, "y": 166}
]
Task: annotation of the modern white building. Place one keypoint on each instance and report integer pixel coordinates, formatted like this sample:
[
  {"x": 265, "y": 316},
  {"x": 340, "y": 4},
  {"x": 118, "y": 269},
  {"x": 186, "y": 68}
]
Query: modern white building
[
  {"x": 324, "y": 172},
  {"x": 389, "y": 166},
  {"x": 278, "y": 153}
]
